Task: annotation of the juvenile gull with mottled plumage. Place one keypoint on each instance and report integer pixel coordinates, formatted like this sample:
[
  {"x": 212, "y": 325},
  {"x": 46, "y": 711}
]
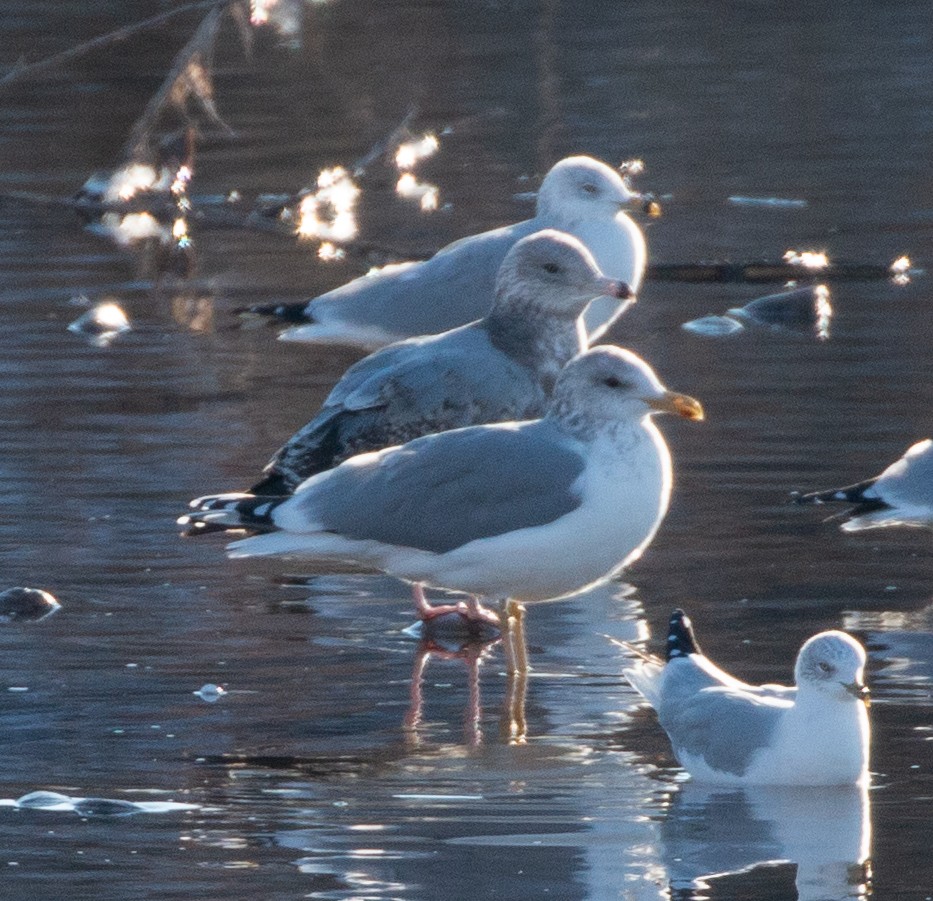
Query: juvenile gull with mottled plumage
[
  {"x": 528, "y": 510},
  {"x": 579, "y": 195},
  {"x": 726, "y": 731},
  {"x": 500, "y": 368}
]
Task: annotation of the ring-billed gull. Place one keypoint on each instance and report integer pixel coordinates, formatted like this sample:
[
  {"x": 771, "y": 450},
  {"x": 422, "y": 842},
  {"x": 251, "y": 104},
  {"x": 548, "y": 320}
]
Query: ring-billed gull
[
  {"x": 527, "y": 511},
  {"x": 902, "y": 495},
  {"x": 726, "y": 731},
  {"x": 579, "y": 195},
  {"x": 498, "y": 369}
]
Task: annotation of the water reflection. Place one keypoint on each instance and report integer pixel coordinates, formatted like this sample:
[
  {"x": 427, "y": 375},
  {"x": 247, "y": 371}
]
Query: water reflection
[
  {"x": 715, "y": 836},
  {"x": 471, "y": 654}
]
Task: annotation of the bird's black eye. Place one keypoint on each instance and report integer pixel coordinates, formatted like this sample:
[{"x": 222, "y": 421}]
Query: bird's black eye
[
  {"x": 553, "y": 268},
  {"x": 613, "y": 382},
  {"x": 825, "y": 667},
  {"x": 590, "y": 188}
]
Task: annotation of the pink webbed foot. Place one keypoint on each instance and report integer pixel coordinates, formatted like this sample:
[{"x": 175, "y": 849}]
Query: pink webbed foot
[{"x": 465, "y": 619}]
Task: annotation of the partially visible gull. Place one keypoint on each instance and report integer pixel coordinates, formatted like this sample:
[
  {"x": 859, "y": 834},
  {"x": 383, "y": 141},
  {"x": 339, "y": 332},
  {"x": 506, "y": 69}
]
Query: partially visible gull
[
  {"x": 521, "y": 510},
  {"x": 726, "y": 731},
  {"x": 579, "y": 195},
  {"x": 498, "y": 369},
  {"x": 902, "y": 495}
]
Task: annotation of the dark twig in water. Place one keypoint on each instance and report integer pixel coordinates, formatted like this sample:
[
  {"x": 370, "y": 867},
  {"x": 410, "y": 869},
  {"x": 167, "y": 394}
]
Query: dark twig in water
[
  {"x": 24, "y": 70},
  {"x": 387, "y": 144},
  {"x": 189, "y": 77},
  {"x": 221, "y": 215},
  {"x": 764, "y": 272}
]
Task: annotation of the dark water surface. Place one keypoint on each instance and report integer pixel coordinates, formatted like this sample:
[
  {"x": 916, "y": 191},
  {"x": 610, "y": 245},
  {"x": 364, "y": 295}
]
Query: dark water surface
[{"x": 315, "y": 776}]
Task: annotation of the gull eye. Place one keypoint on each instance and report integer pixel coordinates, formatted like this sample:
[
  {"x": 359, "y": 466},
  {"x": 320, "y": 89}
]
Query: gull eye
[
  {"x": 553, "y": 268},
  {"x": 825, "y": 667},
  {"x": 590, "y": 188},
  {"x": 613, "y": 382}
]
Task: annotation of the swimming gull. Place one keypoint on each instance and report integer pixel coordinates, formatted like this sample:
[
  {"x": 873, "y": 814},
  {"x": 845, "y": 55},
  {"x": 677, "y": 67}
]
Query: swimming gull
[
  {"x": 527, "y": 511},
  {"x": 902, "y": 495},
  {"x": 579, "y": 195},
  {"x": 726, "y": 731},
  {"x": 500, "y": 368}
]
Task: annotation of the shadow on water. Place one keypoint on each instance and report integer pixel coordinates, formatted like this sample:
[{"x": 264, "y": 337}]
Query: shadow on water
[{"x": 341, "y": 760}]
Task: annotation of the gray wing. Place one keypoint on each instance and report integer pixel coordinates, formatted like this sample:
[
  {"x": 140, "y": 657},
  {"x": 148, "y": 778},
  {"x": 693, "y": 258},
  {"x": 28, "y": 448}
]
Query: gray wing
[
  {"x": 424, "y": 387},
  {"x": 453, "y": 287},
  {"x": 442, "y": 491},
  {"x": 375, "y": 365},
  {"x": 722, "y": 725}
]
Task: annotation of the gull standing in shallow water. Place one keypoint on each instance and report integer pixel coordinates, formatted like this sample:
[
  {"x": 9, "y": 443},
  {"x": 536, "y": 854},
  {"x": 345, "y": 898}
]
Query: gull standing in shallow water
[
  {"x": 520, "y": 510},
  {"x": 500, "y": 368},
  {"x": 579, "y": 195},
  {"x": 726, "y": 731},
  {"x": 902, "y": 495}
]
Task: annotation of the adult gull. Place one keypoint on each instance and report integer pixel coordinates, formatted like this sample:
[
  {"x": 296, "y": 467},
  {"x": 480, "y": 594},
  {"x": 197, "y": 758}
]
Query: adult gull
[
  {"x": 579, "y": 195},
  {"x": 520, "y": 510},
  {"x": 902, "y": 495},
  {"x": 500, "y": 368},
  {"x": 726, "y": 731}
]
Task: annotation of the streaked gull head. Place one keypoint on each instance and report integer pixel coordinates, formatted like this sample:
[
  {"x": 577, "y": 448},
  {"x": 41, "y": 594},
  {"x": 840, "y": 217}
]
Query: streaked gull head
[
  {"x": 832, "y": 663},
  {"x": 610, "y": 385},
  {"x": 553, "y": 272},
  {"x": 580, "y": 187}
]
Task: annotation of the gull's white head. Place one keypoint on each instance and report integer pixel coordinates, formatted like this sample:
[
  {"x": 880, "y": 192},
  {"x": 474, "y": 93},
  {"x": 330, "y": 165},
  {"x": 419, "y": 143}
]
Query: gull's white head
[
  {"x": 611, "y": 384},
  {"x": 580, "y": 187},
  {"x": 832, "y": 663},
  {"x": 554, "y": 272}
]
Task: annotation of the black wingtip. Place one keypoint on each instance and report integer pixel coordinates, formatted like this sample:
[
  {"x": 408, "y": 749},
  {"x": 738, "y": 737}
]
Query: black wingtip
[
  {"x": 850, "y": 494},
  {"x": 680, "y": 638},
  {"x": 284, "y": 312}
]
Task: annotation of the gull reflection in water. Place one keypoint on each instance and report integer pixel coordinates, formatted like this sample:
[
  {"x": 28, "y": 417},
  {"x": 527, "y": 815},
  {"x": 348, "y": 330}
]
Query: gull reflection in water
[
  {"x": 712, "y": 833},
  {"x": 472, "y": 654}
]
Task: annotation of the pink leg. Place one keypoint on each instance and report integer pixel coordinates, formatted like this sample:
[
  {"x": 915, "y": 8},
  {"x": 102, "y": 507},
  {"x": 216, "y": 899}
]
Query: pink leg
[{"x": 421, "y": 602}]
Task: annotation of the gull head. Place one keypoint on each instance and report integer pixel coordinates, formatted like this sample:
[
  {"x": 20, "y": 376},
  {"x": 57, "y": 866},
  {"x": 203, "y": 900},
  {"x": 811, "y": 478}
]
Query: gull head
[
  {"x": 554, "y": 272},
  {"x": 581, "y": 188},
  {"x": 832, "y": 663},
  {"x": 608, "y": 383}
]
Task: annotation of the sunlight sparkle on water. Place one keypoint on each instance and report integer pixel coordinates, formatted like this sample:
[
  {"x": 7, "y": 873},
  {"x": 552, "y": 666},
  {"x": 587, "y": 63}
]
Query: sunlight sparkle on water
[
  {"x": 412, "y": 152},
  {"x": 132, "y": 180},
  {"x": 807, "y": 259},
  {"x": 427, "y": 195},
  {"x": 328, "y": 213}
]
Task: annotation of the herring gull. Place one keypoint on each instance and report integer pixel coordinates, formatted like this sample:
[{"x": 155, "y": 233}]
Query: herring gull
[
  {"x": 520, "y": 510},
  {"x": 579, "y": 195},
  {"x": 500, "y": 368}
]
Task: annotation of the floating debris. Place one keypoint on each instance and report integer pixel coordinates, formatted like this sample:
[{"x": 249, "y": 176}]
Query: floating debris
[
  {"x": 328, "y": 213},
  {"x": 802, "y": 308},
  {"x": 93, "y": 807},
  {"x": 26, "y": 605},
  {"x": 778, "y": 203},
  {"x": 714, "y": 326},
  {"x": 210, "y": 692},
  {"x": 101, "y": 324}
]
